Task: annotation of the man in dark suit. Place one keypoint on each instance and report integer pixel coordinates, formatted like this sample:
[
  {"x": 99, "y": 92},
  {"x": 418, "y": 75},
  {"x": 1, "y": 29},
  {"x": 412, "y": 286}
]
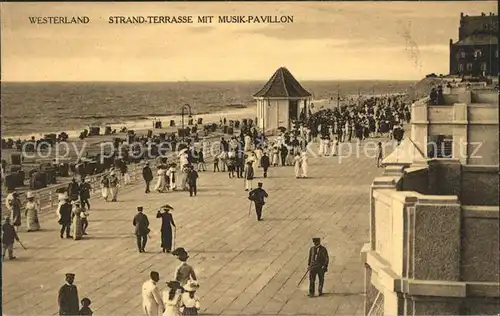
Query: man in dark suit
[
  {"x": 69, "y": 304},
  {"x": 147, "y": 175},
  {"x": 265, "y": 163},
  {"x": 65, "y": 217},
  {"x": 240, "y": 162},
  {"x": 192, "y": 179},
  {"x": 257, "y": 196},
  {"x": 142, "y": 230},
  {"x": 317, "y": 266},
  {"x": 74, "y": 190}
]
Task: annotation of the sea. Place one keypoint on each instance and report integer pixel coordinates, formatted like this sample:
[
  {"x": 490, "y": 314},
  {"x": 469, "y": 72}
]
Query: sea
[{"x": 46, "y": 107}]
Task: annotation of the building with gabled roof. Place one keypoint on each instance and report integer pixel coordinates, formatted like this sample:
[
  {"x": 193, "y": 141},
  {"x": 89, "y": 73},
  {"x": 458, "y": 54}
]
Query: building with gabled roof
[{"x": 281, "y": 101}]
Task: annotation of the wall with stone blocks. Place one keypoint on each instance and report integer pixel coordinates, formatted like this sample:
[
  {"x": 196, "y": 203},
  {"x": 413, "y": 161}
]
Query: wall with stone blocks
[
  {"x": 444, "y": 177},
  {"x": 416, "y": 179},
  {"x": 479, "y": 185},
  {"x": 480, "y": 255},
  {"x": 481, "y": 306},
  {"x": 474, "y": 185},
  {"x": 432, "y": 255}
]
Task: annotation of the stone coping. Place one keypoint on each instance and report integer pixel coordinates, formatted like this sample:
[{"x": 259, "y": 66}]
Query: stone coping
[
  {"x": 415, "y": 197},
  {"x": 415, "y": 169},
  {"x": 383, "y": 277},
  {"x": 480, "y": 211},
  {"x": 481, "y": 168}
]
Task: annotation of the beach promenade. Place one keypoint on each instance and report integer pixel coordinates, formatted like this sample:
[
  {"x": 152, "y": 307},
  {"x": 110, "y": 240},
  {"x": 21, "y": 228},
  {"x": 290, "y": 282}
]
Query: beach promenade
[{"x": 244, "y": 267}]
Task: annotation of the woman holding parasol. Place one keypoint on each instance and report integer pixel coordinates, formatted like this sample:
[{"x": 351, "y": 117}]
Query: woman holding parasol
[{"x": 167, "y": 221}]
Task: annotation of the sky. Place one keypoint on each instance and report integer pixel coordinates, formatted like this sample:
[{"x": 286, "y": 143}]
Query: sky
[{"x": 327, "y": 41}]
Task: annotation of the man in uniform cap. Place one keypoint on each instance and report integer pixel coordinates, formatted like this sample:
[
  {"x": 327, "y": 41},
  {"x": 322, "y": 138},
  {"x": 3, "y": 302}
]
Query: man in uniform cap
[
  {"x": 142, "y": 230},
  {"x": 257, "y": 196},
  {"x": 68, "y": 297},
  {"x": 317, "y": 266}
]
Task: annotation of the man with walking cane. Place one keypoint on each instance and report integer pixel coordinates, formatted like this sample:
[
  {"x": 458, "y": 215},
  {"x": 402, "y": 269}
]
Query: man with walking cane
[
  {"x": 8, "y": 236},
  {"x": 317, "y": 266},
  {"x": 257, "y": 196}
]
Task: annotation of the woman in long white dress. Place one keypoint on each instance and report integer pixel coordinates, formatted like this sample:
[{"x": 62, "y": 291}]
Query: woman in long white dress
[
  {"x": 326, "y": 146},
  {"x": 160, "y": 183},
  {"x": 275, "y": 160},
  {"x": 32, "y": 209},
  {"x": 321, "y": 146},
  {"x": 172, "y": 299},
  {"x": 258, "y": 155},
  {"x": 297, "y": 161},
  {"x": 305, "y": 165},
  {"x": 171, "y": 173},
  {"x": 184, "y": 177}
]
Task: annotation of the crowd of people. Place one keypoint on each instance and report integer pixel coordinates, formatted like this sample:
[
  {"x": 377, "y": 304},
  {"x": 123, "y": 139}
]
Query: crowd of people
[
  {"x": 372, "y": 117},
  {"x": 241, "y": 157}
]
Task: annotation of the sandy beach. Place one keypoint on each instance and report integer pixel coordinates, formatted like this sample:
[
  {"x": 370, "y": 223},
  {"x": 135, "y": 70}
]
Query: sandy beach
[{"x": 146, "y": 124}]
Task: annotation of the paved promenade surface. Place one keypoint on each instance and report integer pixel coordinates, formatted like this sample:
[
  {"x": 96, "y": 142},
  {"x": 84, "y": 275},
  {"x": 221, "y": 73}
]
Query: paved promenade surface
[{"x": 244, "y": 267}]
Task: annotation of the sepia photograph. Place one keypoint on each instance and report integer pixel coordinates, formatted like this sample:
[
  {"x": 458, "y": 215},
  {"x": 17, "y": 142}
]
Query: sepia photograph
[{"x": 250, "y": 158}]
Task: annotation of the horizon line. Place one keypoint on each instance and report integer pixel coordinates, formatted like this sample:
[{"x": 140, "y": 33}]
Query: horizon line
[{"x": 191, "y": 81}]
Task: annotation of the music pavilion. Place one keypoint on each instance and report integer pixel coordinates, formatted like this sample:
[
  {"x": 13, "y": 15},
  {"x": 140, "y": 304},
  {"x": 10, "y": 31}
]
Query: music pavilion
[{"x": 281, "y": 101}]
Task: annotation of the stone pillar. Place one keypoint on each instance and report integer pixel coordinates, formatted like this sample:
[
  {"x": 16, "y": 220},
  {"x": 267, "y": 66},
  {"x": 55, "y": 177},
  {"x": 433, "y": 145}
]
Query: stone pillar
[
  {"x": 420, "y": 126},
  {"x": 460, "y": 138},
  {"x": 378, "y": 183}
]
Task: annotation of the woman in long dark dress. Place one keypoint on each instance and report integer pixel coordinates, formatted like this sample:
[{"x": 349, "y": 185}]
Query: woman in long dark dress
[{"x": 167, "y": 221}]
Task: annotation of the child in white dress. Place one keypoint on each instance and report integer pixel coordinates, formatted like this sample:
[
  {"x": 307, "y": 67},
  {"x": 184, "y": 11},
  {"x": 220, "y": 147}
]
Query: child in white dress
[{"x": 189, "y": 301}]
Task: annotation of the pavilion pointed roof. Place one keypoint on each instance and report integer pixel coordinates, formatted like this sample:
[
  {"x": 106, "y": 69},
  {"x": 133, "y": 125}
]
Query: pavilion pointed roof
[{"x": 282, "y": 85}]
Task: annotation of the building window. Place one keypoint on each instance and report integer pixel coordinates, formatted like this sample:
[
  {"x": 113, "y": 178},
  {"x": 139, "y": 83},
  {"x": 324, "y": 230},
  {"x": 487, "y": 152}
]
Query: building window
[
  {"x": 462, "y": 54},
  {"x": 460, "y": 67},
  {"x": 469, "y": 66},
  {"x": 496, "y": 53},
  {"x": 440, "y": 146},
  {"x": 483, "y": 67}
]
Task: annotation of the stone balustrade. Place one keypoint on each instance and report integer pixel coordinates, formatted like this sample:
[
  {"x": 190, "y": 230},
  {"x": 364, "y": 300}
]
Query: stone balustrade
[{"x": 429, "y": 254}]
